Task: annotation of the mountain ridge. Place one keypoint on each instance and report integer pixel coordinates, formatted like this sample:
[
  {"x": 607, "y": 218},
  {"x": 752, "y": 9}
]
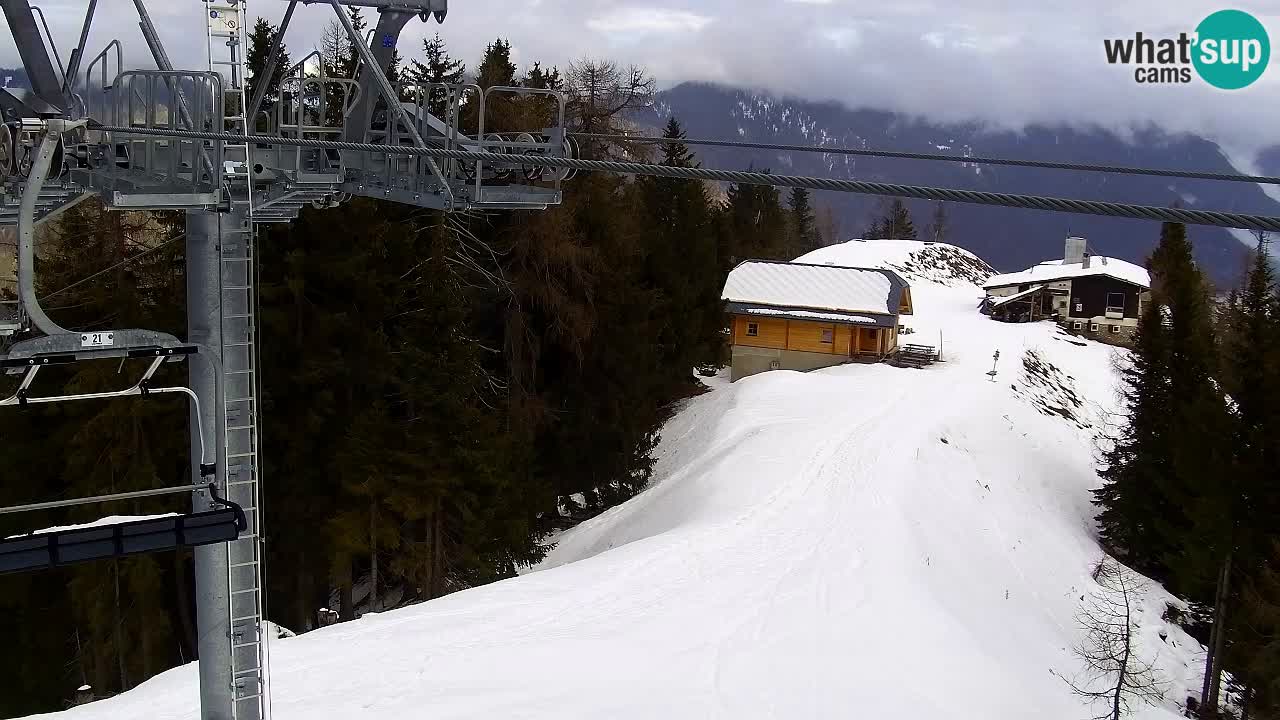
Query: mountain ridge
[{"x": 1009, "y": 239}]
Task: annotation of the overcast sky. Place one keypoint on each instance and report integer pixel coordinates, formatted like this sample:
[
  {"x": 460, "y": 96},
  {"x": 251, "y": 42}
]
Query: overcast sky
[{"x": 1001, "y": 61}]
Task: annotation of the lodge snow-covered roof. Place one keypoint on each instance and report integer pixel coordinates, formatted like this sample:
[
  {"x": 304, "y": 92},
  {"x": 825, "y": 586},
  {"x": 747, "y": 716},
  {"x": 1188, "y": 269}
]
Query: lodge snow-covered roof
[
  {"x": 805, "y": 286},
  {"x": 1054, "y": 270},
  {"x": 997, "y": 302}
]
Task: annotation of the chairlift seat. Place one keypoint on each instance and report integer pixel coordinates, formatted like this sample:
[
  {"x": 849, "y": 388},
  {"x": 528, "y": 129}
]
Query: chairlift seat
[{"x": 67, "y": 547}]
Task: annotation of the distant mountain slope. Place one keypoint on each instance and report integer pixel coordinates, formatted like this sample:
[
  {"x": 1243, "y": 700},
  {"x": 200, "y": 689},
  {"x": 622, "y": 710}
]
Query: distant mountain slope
[
  {"x": 1268, "y": 160},
  {"x": 1009, "y": 239}
]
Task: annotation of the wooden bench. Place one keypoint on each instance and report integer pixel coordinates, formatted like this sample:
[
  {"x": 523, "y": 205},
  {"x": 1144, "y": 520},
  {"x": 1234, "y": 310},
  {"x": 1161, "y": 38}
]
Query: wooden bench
[{"x": 916, "y": 356}]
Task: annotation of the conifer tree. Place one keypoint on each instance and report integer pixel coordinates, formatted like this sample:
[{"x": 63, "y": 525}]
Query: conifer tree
[
  {"x": 1168, "y": 506},
  {"x": 1132, "y": 507},
  {"x": 1161, "y": 496},
  {"x": 439, "y": 67},
  {"x": 755, "y": 224},
  {"x": 496, "y": 68},
  {"x": 804, "y": 225},
  {"x": 682, "y": 262},
  {"x": 264, "y": 33},
  {"x": 1251, "y": 378},
  {"x": 502, "y": 111},
  {"x": 542, "y": 79},
  {"x": 351, "y": 61},
  {"x": 896, "y": 224}
]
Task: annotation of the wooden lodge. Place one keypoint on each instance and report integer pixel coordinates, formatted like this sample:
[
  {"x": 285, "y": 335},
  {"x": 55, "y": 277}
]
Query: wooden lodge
[{"x": 797, "y": 316}]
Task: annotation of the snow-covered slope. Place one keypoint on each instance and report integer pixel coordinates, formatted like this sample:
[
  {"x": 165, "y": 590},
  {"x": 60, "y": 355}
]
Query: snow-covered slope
[{"x": 861, "y": 541}]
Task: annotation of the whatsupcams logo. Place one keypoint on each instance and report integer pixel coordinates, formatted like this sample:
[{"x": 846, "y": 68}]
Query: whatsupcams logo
[{"x": 1229, "y": 50}]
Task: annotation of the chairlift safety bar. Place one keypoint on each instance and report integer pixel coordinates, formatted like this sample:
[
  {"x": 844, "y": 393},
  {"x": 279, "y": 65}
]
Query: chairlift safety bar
[{"x": 34, "y": 507}]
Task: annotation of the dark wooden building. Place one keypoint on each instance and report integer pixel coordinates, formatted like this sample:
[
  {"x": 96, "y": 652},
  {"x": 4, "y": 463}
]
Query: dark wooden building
[{"x": 1088, "y": 294}]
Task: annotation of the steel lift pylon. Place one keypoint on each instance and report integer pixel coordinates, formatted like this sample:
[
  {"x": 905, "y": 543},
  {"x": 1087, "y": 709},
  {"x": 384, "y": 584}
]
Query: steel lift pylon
[{"x": 55, "y": 152}]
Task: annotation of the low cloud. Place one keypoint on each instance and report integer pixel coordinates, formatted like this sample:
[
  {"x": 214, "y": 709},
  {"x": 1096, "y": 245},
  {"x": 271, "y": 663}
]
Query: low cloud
[{"x": 648, "y": 20}]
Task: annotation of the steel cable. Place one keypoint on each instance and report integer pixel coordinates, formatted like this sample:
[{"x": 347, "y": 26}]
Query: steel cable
[
  {"x": 1117, "y": 169},
  {"x": 976, "y": 197}
]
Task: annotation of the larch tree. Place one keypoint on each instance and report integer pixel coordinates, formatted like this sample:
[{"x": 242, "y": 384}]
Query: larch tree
[
  {"x": 1114, "y": 675},
  {"x": 939, "y": 224},
  {"x": 602, "y": 94}
]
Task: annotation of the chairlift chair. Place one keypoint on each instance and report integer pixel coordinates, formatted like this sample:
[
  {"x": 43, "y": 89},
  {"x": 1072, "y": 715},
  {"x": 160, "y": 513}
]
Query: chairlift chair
[{"x": 60, "y": 547}]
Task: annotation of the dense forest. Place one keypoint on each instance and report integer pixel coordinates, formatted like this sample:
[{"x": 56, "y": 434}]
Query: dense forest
[
  {"x": 1192, "y": 494},
  {"x": 440, "y": 393}
]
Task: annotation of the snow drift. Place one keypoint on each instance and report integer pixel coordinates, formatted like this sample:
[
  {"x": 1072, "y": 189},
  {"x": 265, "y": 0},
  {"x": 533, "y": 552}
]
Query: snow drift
[{"x": 860, "y": 541}]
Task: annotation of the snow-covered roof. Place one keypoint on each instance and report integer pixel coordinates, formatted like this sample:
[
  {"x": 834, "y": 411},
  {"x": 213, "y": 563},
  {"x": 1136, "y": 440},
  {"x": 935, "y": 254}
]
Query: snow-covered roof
[
  {"x": 811, "y": 315},
  {"x": 997, "y": 302},
  {"x": 802, "y": 286},
  {"x": 1054, "y": 270},
  {"x": 886, "y": 321}
]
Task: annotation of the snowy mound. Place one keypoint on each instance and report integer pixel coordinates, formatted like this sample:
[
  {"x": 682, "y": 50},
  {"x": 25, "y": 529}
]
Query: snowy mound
[
  {"x": 860, "y": 541},
  {"x": 936, "y": 263}
]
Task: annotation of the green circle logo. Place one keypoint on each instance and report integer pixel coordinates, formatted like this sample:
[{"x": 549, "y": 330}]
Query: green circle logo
[{"x": 1232, "y": 49}]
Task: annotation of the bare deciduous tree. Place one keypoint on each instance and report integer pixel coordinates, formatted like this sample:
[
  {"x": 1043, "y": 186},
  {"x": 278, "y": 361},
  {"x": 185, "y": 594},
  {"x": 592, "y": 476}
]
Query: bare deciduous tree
[
  {"x": 601, "y": 93},
  {"x": 940, "y": 225},
  {"x": 829, "y": 226},
  {"x": 1113, "y": 672}
]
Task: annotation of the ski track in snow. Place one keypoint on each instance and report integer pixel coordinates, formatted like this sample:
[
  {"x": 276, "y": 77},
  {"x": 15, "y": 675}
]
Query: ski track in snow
[{"x": 861, "y": 541}]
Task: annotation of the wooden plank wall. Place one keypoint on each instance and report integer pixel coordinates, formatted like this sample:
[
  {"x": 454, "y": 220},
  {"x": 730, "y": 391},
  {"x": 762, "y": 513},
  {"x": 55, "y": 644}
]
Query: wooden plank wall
[
  {"x": 807, "y": 336},
  {"x": 844, "y": 336},
  {"x": 772, "y": 332}
]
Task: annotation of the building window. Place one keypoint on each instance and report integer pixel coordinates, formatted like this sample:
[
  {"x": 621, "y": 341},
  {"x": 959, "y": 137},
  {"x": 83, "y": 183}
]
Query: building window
[
  {"x": 1079, "y": 306},
  {"x": 753, "y": 329},
  {"x": 1115, "y": 328},
  {"x": 828, "y": 336},
  {"x": 1076, "y": 325},
  {"x": 1115, "y": 303},
  {"x": 1093, "y": 327}
]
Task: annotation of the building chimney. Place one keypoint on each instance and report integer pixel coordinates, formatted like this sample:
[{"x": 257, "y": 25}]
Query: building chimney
[
  {"x": 1074, "y": 253},
  {"x": 1084, "y": 261}
]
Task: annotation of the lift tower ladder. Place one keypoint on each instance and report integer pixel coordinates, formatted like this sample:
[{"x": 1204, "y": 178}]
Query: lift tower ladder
[{"x": 227, "y": 35}]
